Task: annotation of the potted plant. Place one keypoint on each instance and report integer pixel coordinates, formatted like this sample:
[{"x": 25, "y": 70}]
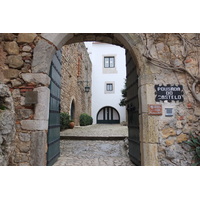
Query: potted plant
[{"x": 71, "y": 124}]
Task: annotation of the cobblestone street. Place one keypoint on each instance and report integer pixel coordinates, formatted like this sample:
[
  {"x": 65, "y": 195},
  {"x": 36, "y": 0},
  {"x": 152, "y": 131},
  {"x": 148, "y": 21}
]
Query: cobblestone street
[{"x": 94, "y": 152}]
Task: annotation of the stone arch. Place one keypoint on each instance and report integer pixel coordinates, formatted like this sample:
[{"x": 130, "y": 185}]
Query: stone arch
[{"x": 51, "y": 42}]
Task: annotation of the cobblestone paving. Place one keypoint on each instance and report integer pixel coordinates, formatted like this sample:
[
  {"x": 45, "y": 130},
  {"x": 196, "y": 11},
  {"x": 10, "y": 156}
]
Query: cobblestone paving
[
  {"x": 93, "y": 153},
  {"x": 97, "y": 130}
]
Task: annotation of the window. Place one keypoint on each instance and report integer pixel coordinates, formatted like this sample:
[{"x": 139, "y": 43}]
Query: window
[
  {"x": 109, "y": 62},
  {"x": 109, "y": 87}
]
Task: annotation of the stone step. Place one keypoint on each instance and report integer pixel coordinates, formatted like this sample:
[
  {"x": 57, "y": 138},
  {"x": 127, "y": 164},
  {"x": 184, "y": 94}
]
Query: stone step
[{"x": 92, "y": 137}]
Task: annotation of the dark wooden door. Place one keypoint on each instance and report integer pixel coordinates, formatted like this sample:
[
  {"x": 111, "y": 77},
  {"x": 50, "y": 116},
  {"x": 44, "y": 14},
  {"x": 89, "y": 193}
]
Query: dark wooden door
[
  {"x": 133, "y": 110},
  {"x": 53, "y": 137}
]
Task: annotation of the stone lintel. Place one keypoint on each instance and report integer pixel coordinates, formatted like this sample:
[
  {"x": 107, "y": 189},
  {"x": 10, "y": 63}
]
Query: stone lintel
[
  {"x": 34, "y": 124},
  {"x": 37, "y": 78}
]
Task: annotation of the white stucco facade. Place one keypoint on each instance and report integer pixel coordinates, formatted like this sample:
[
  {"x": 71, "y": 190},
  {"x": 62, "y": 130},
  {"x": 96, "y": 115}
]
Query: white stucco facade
[{"x": 103, "y": 76}]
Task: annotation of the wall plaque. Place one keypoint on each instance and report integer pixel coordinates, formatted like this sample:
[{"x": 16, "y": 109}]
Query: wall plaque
[
  {"x": 169, "y": 93},
  {"x": 154, "y": 109}
]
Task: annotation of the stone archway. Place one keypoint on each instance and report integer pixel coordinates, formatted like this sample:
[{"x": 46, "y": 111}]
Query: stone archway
[{"x": 49, "y": 43}]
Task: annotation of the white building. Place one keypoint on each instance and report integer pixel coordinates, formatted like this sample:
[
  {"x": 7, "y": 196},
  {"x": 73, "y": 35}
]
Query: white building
[{"x": 108, "y": 79}]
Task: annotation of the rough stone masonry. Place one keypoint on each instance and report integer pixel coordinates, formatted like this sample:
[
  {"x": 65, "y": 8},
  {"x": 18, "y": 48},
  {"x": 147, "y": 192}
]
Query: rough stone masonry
[
  {"x": 29, "y": 143},
  {"x": 76, "y": 74},
  {"x": 185, "y": 120},
  {"x": 7, "y": 125}
]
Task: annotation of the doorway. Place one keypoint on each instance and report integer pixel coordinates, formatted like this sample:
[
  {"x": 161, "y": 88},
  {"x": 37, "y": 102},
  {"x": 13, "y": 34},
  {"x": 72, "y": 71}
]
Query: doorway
[
  {"x": 72, "y": 110},
  {"x": 108, "y": 115},
  {"x": 131, "y": 43}
]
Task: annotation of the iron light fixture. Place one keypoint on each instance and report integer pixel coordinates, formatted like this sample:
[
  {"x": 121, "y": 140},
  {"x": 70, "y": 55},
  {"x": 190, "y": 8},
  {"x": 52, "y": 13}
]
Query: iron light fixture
[{"x": 87, "y": 87}]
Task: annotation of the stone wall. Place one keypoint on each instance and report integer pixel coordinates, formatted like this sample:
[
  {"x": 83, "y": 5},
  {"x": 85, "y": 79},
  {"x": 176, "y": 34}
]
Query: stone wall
[
  {"x": 173, "y": 131},
  {"x": 16, "y": 53},
  {"x": 7, "y": 125},
  {"x": 76, "y": 69}
]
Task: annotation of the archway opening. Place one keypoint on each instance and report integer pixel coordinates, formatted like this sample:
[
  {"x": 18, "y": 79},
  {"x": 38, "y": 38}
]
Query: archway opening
[
  {"x": 108, "y": 115},
  {"x": 72, "y": 110}
]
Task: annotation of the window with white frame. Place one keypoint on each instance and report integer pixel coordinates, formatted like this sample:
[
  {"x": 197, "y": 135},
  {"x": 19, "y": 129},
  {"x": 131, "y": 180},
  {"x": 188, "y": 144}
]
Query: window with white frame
[{"x": 109, "y": 62}]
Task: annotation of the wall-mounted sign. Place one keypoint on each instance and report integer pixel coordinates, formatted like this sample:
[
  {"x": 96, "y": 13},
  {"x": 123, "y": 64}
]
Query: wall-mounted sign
[
  {"x": 168, "y": 112},
  {"x": 169, "y": 93},
  {"x": 154, "y": 109}
]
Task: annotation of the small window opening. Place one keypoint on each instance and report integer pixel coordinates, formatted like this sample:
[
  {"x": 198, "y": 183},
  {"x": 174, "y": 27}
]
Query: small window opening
[{"x": 109, "y": 87}]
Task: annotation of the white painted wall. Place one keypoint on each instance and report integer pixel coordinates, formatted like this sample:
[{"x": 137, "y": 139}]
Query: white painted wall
[{"x": 97, "y": 51}]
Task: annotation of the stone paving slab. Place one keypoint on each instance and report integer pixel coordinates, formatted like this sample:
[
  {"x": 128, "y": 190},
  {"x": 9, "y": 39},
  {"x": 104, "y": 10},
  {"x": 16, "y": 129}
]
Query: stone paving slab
[
  {"x": 92, "y": 137},
  {"x": 97, "y": 130},
  {"x": 74, "y": 161},
  {"x": 93, "y": 153},
  {"x": 95, "y": 145}
]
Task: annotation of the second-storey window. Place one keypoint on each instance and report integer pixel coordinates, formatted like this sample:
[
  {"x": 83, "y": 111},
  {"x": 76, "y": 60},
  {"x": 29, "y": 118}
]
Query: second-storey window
[
  {"x": 109, "y": 87},
  {"x": 109, "y": 62}
]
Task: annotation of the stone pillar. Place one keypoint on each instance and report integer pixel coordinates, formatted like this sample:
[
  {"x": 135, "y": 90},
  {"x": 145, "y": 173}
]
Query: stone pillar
[
  {"x": 38, "y": 148},
  {"x": 38, "y": 126},
  {"x": 148, "y": 132}
]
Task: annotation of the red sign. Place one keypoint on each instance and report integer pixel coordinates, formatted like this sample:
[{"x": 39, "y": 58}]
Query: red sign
[{"x": 154, "y": 109}]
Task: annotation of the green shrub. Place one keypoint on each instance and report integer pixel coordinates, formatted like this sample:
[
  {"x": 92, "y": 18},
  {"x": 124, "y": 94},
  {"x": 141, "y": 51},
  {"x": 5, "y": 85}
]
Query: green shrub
[
  {"x": 194, "y": 143},
  {"x": 85, "y": 119},
  {"x": 64, "y": 121},
  {"x": 124, "y": 95}
]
